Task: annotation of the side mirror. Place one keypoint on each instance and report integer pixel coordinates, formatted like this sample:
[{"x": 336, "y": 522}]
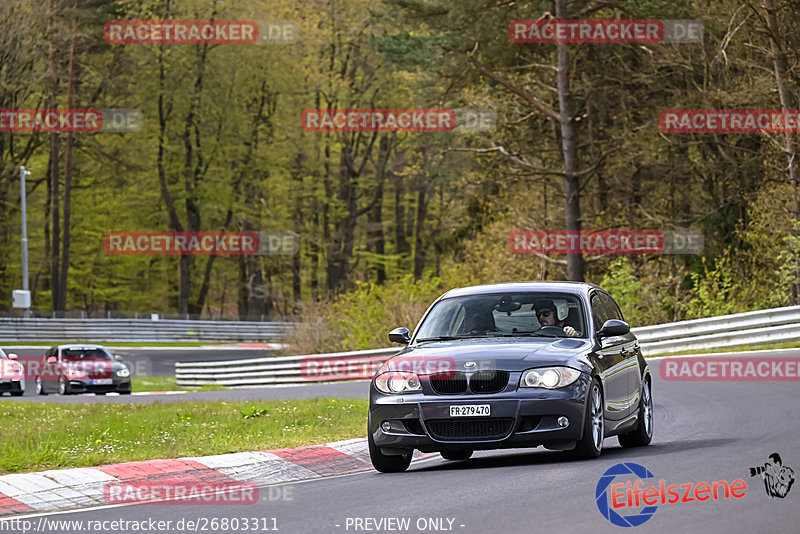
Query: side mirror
[
  {"x": 400, "y": 335},
  {"x": 613, "y": 328},
  {"x": 12, "y": 356},
  {"x": 118, "y": 357},
  {"x": 52, "y": 359}
]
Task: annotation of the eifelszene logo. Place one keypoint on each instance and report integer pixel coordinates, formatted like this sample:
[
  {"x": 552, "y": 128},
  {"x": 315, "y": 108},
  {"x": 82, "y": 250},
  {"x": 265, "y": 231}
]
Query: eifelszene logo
[
  {"x": 778, "y": 478},
  {"x": 616, "y": 499}
]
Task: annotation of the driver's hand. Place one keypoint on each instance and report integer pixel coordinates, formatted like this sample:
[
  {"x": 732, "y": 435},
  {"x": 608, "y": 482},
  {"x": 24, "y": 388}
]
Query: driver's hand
[{"x": 571, "y": 332}]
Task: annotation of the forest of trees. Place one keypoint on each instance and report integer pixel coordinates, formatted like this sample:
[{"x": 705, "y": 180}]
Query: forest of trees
[{"x": 577, "y": 146}]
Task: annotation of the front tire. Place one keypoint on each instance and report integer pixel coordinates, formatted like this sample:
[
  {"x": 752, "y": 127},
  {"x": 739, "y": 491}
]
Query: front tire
[
  {"x": 40, "y": 386},
  {"x": 386, "y": 463},
  {"x": 63, "y": 387},
  {"x": 591, "y": 445},
  {"x": 643, "y": 434}
]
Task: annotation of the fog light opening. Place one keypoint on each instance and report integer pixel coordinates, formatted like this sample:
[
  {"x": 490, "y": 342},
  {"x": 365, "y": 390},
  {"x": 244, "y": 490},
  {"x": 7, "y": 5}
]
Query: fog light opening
[
  {"x": 562, "y": 421},
  {"x": 386, "y": 426}
]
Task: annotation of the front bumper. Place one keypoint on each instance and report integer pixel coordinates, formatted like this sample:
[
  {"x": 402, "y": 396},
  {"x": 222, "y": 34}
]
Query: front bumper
[
  {"x": 85, "y": 385},
  {"x": 522, "y": 417}
]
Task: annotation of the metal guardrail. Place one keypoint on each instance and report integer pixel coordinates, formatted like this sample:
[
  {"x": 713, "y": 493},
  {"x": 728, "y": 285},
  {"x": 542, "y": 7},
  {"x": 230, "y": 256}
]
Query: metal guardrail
[
  {"x": 741, "y": 329},
  {"x": 139, "y": 330},
  {"x": 256, "y": 372}
]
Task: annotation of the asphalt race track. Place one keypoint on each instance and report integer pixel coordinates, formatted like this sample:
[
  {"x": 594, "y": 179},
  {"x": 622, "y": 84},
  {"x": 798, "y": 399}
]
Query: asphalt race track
[{"x": 704, "y": 432}]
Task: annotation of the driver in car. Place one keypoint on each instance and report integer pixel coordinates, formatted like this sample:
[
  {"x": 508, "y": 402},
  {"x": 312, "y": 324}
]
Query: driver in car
[{"x": 546, "y": 314}]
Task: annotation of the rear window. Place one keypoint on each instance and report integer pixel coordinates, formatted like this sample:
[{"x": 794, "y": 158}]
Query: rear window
[{"x": 85, "y": 354}]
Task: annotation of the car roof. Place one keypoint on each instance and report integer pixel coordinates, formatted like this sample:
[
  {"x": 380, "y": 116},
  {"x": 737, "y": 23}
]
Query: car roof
[{"x": 578, "y": 288}]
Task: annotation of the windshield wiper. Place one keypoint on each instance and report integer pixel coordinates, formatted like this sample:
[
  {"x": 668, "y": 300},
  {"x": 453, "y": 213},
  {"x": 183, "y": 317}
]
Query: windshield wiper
[
  {"x": 525, "y": 334},
  {"x": 441, "y": 338}
]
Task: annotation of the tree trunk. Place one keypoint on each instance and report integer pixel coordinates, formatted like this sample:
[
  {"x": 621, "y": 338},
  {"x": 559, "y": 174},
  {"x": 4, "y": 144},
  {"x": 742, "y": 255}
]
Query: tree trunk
[
  {"x": 55, "y": 274},
  {"x": 419, "y": 247},
  {"x": 569, "y": 180},
  {"x": 789, "y": 139},
  {"x": 376, "y": 239},
  {"x": 401, "y": 245},
  {"x": 62, "y": 286}
]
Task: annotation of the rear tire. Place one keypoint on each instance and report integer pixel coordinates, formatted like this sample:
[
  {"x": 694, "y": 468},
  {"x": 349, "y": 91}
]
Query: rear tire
[
  {"x": 386, "y": 463},
  {"x": 17, "y": 393},
  {"x": 643, "y": 434},
  {"x": 457, "y": 454},
  {"x": 591, "y": 445}
]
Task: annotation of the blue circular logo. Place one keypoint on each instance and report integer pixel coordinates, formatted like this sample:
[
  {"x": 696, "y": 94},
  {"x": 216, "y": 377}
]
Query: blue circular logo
[{"x": 604, "y": 500}]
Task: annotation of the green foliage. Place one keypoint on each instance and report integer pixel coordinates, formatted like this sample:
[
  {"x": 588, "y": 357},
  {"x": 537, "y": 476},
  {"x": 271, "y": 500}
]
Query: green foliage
[
  {"x": 620, "y": 280},
  {"x": 714, "y": 292},
  {"x": 366, "y": 314}
]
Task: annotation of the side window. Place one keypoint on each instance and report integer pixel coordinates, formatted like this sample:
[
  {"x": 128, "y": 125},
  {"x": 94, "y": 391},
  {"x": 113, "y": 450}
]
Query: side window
[
  {"x": 599, "y": 313},
  {"x": 613, "y": 310}
]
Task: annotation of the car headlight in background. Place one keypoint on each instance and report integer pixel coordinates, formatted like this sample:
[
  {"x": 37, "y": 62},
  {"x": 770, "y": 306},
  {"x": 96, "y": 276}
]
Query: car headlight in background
[
  {"x": 549, "y": 377},
  {"x": 397, "y": 382},
  {"x": 122, "y": 373}
]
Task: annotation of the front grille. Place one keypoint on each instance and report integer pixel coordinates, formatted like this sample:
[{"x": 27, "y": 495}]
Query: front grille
[
  {"x": 469, "y": 430},
  {"x": 449, "y": 383},
  {"x": 488, "y": 381}
]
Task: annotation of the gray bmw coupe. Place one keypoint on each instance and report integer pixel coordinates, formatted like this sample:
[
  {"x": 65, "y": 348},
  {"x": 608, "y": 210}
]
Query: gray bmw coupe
[{"x": 509, "y": 365}]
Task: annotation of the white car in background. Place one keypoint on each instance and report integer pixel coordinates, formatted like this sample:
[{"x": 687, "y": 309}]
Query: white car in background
[{"x": 12, "y": 375}]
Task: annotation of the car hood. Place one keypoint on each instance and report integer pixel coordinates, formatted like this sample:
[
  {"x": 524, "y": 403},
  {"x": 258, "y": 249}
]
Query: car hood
[{"x": 509, "y": 354}]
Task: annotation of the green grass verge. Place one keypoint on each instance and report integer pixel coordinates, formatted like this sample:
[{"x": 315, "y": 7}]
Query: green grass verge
[
  {"x": 36, "y": 436},
  {"x": 167, "y": 383},
  {"x": 781, "y": 345}
]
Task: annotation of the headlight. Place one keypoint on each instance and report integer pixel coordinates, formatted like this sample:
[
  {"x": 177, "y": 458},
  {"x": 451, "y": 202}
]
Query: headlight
[
  {"x": 549, "y": 377},
  {"x": 397, "y": 382},
  {"x": 75, "y": 373},
  {"x": 122, "y": 373}
]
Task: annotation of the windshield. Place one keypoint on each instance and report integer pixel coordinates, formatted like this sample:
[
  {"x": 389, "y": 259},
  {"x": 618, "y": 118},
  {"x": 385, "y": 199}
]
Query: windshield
[
  {"x": 85, "y": 354},
  {"x": 509, "y": 314}
]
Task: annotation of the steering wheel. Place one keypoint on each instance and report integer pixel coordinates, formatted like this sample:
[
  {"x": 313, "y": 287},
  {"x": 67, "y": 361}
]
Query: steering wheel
[{"x": 556, "y": 331}]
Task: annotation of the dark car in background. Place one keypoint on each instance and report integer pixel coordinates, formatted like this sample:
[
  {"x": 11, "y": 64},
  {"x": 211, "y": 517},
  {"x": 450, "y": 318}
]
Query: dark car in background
[
  {"x": 67, "y": 369},
  {"x": 12, "y": 379},
  {"x": 482, "y": 372}
]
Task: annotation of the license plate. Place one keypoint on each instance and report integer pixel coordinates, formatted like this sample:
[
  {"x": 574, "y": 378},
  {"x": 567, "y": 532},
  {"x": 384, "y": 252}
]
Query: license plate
[
  {"x": 101, "y": 382},
  {"x": 470, "y": 410}
]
